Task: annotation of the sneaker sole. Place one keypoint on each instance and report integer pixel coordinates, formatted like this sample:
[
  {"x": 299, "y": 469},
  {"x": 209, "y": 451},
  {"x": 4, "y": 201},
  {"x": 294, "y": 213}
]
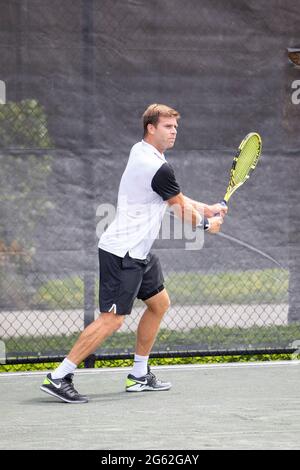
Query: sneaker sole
[
  {"x": 65, "y": 400},
  {"x": 145, "y": 388}
]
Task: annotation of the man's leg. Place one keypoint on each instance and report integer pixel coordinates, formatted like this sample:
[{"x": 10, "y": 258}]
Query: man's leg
[
  {"x": 150, "y": 322},
  {"x": 93, "y": 335},
  {"x": 59, "y": 383},
  {"x": 146, "y": 334}
]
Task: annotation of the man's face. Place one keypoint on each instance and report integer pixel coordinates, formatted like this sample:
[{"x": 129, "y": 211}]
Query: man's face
[{"x": 163, "y": 136}]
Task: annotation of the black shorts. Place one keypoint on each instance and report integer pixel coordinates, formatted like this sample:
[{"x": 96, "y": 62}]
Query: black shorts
[{"x": 122, "y": 280}]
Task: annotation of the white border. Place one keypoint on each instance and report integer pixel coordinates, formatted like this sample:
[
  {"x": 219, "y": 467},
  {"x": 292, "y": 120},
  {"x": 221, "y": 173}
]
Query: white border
[{"x": 227, "y": 365}]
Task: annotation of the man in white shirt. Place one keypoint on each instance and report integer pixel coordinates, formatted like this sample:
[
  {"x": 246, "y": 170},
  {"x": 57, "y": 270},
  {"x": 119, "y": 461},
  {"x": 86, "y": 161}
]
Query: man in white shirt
[{"x": 127, "y": 268}]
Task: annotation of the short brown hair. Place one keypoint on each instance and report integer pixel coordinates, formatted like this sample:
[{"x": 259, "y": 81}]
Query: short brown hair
[{"x": 153, "y": 113}]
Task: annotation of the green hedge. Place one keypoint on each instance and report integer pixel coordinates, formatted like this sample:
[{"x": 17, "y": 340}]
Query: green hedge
[{"x": 158, "y": 362}]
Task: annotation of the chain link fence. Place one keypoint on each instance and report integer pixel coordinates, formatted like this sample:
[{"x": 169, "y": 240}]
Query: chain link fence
[
  {"x": 71, "y": 117},
  {"x": 226, "y": 298},
  {"x": 212, "y": 312}
]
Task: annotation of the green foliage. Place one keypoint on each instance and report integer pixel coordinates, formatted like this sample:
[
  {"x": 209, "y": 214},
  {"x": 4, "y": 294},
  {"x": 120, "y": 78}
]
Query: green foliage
[
  {"x": 205, "y": 339},
  {"x": 265, "y": 286},
  {"x": 23, "y": 125},
  {"x": 23, "y": 194},
  {"x": 23, "y": 174},
  {"x": 268, "y": 285},
  {"x": 61, "y": 293},
  {"x": 211, "y": 338},
  {"x": 158, "y": 362}
]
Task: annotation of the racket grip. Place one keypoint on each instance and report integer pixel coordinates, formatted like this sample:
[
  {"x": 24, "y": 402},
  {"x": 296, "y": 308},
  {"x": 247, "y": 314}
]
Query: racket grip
[{"x": 224, "y": 204}]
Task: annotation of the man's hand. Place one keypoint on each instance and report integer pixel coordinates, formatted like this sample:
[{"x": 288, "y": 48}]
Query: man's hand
[
  {"x": 215, "y": 224},
  {"x": 216, "y": 209}
]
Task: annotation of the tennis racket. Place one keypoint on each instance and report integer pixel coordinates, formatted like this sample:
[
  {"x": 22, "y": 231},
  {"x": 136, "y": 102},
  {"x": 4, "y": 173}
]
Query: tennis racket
[{"x": 244, "y": 162}]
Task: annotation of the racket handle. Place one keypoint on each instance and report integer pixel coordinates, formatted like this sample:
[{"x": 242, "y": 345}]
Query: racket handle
[{"x": 224, "y": 204}]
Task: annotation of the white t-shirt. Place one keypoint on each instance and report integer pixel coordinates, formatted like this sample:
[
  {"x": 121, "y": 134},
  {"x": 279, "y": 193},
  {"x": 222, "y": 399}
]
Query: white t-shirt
[{"x": 146, "y": 184}]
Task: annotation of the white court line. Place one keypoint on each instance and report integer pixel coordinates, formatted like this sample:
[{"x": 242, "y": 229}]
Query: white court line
[{"x": 227, "y": 365}]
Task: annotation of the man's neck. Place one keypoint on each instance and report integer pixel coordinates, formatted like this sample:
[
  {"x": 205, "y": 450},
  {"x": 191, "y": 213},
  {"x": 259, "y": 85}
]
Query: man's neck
[{"x": 149, "y": 141}]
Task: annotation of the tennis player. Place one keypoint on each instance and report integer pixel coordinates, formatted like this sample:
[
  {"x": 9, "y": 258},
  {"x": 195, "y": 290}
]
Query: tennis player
[{"x": 128, "y": 270}]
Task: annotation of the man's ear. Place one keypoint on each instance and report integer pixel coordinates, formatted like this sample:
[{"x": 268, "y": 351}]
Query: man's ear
[{"x": 151, "y": 129}]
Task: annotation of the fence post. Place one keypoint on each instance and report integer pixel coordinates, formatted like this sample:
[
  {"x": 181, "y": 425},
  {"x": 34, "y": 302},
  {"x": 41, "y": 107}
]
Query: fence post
[
  {"x": 89, "y": 290},
  {"x": 291, "y": 114},
  {"x": 87, "y": 7}
]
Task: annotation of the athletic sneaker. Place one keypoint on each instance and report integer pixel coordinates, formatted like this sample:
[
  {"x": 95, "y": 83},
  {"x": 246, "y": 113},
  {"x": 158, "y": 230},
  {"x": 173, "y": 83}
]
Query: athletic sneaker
[
  {"x": 63, "y": 389},
  {"x": 146, "y": 383}
]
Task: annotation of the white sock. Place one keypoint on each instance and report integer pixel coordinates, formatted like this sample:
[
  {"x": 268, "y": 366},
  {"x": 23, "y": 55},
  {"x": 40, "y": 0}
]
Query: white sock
[
  {"x": 66, "y": 367},
  {"x": 140, "y": 365}
]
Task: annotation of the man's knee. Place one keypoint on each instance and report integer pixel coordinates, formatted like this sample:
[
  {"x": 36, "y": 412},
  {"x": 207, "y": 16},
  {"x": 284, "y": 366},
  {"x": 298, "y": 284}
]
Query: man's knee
[
  {"x": 165, "y": 303},
  {"x": 112, "y": 320},
  {"x": 161, "y": 304},
  {"x": 119, "y": 319}
]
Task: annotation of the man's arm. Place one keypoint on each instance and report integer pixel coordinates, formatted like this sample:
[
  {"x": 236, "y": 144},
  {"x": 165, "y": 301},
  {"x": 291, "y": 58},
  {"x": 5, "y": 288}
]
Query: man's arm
[
  {"x": 206, "y": 209},
  {"x": 197, "y": 214},
  {"x": 185, "y": 210}
]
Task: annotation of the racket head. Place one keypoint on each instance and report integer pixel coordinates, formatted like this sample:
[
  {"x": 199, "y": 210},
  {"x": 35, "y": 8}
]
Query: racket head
[{"x": 244, "y": 162}]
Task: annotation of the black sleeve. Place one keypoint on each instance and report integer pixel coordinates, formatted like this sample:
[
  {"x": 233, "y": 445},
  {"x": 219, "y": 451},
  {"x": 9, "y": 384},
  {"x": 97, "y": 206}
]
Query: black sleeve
[{"x": 164, "y": 182}]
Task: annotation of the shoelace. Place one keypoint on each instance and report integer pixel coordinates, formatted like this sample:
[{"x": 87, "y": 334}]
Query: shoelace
[
  {"x": 69, "y": 387},
  {"x": 152, "y": 379}
]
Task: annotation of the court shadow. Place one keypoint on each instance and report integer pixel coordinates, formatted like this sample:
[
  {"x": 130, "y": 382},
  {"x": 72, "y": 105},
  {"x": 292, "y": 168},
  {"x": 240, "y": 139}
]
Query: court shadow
[
  {"x": 118, "y": 396},
  {"x": 93, "y": 398}
]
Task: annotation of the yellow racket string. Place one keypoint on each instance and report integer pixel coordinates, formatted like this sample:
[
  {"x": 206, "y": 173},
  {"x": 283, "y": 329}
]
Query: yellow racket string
[{"x": 246, "y": 159}]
